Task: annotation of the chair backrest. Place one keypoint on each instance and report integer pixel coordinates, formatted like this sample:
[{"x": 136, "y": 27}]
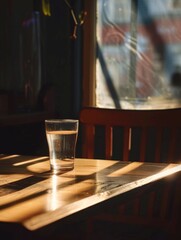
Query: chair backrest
[
  {"x": 137, "y": 135},
  {"x": 131, "y": 135}
]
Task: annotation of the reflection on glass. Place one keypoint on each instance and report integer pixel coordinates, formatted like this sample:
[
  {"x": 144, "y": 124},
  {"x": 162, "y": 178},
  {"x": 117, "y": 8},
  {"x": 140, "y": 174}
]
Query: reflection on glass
[{"x": 139, "y": 52}]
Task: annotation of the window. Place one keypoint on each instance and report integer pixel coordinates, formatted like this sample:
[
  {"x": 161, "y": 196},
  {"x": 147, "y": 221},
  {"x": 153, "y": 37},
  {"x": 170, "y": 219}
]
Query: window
[
  {"x": 176, "y": 4},
  {"x": 133, "y": 54}
]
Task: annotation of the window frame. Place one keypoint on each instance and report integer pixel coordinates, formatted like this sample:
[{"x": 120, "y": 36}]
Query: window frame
[{"x": 89, "y": 54}]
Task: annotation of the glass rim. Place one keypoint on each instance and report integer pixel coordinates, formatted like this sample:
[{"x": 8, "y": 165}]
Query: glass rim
[{"x": 61, "y": 120}]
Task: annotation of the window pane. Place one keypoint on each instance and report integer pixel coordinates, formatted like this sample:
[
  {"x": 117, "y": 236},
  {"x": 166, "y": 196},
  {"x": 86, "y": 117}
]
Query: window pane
[{"x": 138, "y": 53}]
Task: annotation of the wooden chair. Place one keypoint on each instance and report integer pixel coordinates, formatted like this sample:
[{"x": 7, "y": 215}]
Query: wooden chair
[{"x": 137, "y": 135}]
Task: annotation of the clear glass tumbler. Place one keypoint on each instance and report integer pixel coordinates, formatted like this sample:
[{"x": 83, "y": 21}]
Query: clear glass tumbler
[{"x": 62, "y": 138}]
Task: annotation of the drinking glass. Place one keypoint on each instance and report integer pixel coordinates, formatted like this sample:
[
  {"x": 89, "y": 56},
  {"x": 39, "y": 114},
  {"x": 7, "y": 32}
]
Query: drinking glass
[{"x": 61, "y": 136}]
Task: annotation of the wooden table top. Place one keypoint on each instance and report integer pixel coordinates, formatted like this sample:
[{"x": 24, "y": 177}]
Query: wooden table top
[{"x": 31, "y": 196}]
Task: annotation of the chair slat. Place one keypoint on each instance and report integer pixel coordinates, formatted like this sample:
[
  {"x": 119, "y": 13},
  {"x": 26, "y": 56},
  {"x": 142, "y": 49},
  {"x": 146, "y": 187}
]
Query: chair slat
[
  {"x": 126, "y": 144},
  {"x": 164, "y": 206},
  {"x": 89, "y": 141},
  {"x": 151, "y": 203},
  {"x": 143, "y": 143},
  {"x": 172, "y": 144},
  {"x": 158, "y": 145},
  {"x": 109, "y": 142}
]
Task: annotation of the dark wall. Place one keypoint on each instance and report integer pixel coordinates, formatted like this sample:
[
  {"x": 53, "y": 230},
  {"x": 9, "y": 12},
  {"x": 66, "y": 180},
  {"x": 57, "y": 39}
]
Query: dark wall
[
  {"x": 40, "y": 68},
  {"x": 56, "y": 55},
  {"x": 37, "y": 52}
]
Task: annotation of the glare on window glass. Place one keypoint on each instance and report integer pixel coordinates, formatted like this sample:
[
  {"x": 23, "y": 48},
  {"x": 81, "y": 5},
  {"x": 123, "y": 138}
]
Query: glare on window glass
[{"x": 138, "y": 53}]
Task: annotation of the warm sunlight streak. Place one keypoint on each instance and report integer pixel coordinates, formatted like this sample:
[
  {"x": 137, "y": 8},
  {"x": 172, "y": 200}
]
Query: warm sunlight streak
[
  {"x": 52, "y": 199},
  {"x": 4, "y": 157},
  {"x": 166, "y": 171},
  {"x": 39, "y": 167},
  {"x": 124, "y": 170},
  {"x": 92, "y": 166},
  {"x": 30, "y": 161},
  {"x": 170, "y": 165}
]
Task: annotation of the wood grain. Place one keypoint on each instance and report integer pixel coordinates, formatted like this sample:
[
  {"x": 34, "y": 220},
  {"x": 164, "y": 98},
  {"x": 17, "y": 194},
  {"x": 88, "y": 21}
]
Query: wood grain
[{"x": 31, "y": 196}]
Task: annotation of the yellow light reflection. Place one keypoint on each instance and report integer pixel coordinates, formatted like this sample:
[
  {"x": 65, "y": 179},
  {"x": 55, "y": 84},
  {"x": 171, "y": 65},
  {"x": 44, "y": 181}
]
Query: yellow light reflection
[
  {"x": 53, "y": 201},
  {"x": 4, "y": 157},
  {"x": 30, "y": 161},
  {"x": 124, "y": 170},
  {"x": 168, "y": 170}
]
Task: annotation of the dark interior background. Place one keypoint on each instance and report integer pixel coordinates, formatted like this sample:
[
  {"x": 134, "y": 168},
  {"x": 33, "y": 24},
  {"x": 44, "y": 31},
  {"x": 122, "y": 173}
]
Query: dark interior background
[{"x": 40, "y": 70}]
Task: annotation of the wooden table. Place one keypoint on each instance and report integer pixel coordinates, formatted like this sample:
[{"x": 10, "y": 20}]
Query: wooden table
[{"x": 32, "y": 198}]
